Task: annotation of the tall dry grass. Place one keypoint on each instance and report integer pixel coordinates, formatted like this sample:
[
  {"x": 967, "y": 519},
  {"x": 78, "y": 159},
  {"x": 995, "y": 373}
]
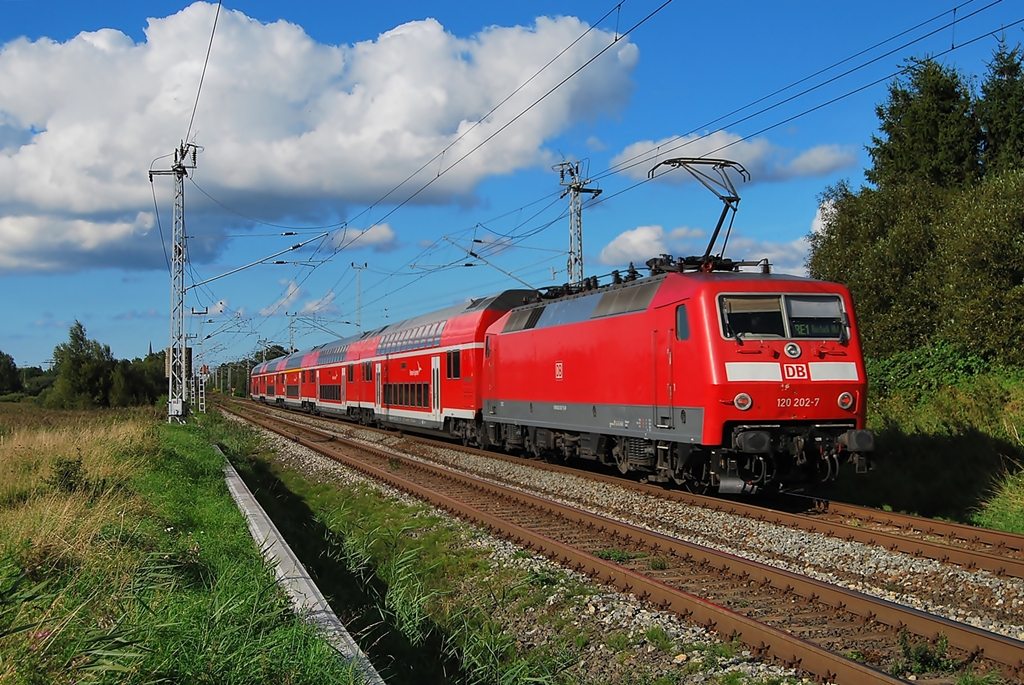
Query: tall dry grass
[{"x": 47, "y": 523}]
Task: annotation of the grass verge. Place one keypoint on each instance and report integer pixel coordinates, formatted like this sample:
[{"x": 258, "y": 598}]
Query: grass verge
[{"x": 124, "y": 559}]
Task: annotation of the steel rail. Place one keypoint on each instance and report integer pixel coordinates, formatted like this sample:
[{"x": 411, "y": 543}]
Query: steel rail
[
  {"x": 974, "y": 641},
  {"x": 969, "y": 559},
  {"x": 925, "y": 526}
]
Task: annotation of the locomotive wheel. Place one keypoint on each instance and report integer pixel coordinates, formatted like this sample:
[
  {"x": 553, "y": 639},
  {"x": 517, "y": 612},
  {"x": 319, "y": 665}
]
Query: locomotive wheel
[{"x": 696, "y": 478}]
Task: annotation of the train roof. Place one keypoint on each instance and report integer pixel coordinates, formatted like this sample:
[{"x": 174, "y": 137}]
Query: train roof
[
  {"x": 428, "y": 328},
  {"x": 502, "y": 301},
  {"x": 635, "y": 294}
]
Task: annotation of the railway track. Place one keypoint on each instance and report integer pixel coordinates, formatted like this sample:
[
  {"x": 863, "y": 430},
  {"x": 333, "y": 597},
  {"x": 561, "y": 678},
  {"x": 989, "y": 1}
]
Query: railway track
[
  {"x": 797, "y": 620},
  {"x": 950, "y": 543},
  {"x": 992, "y": 550}
]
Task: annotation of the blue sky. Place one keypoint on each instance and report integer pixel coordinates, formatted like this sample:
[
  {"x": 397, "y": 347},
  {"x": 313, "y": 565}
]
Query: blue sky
[{"x": 312, "y": 114}]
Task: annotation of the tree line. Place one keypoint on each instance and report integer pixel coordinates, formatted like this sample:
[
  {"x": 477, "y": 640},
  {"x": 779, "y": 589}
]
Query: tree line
[
  {"x": 932, "y": 248},
  {"x": 85, "y": 374}
]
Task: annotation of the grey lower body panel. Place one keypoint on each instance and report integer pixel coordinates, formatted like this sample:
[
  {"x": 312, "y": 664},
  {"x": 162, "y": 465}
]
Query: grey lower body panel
[
  {"x": 408, "y": 421},
  {"x": 675, "y": 424}
]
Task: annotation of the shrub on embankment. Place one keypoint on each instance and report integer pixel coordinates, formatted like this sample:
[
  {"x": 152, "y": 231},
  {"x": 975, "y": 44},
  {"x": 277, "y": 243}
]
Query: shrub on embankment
[
  {"x": 124, "y": 559},
  {"x": 950, "y": 440}
]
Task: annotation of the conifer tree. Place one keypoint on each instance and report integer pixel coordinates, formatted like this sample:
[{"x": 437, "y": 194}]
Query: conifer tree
[
  {"x": 1001, "y": 112},
  {"x": 930, "y": 129}
]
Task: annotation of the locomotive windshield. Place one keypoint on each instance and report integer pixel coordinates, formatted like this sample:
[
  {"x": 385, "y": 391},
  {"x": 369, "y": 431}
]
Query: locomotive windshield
[
  {"x": 761, "y": 316},
  {"x": 815, "y": 316}
]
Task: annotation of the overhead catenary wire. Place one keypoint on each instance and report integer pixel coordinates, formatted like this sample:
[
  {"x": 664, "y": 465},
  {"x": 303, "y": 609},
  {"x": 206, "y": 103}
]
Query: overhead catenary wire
[
  {"x": 202, "y": 77},
  {"x": 614, "y": 170},
  {"x": 623, "y": 166},
  {"x": 804, "y": 79},
  {"x": 832, "y": 101},
  {"x": 536, "y": 230},
  {"x": 521, "y": 114},
  {"x": 658, "y": 151}
]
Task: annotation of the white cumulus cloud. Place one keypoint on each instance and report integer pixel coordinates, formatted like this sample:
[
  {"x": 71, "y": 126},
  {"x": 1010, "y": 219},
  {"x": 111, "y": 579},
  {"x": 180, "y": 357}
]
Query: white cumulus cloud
[
  {"x": 379, "y": 237},
  {"x": 639, "y": 244},
  {"x": 635, "y": 245},
  {"x": 764, "y": 160},
  {"x": 292, "y": 129},
  {"x": 321, "y": 306},
  {"x": 785, "y": 257},
  {"x": 644, "y": 242}
]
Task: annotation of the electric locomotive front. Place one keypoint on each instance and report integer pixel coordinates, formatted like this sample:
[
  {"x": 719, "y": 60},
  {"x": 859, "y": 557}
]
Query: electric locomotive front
[
  {"x": 711, "y": 379},
  {"x": 786, "y": 392}
]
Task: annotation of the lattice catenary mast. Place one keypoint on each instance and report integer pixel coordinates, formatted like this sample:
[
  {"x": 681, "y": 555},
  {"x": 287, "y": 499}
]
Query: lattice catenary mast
[
  {"x": 359, "y": 295},
  {"x": 177, "y": 405},
  {"x": 574, "y": 188}
]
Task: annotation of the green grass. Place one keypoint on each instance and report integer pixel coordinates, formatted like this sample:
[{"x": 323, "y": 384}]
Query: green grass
[
  {"x": 660, "y": 639},
  {"x": 158, "y": 579},
  {"x": 616, "y": 555}
]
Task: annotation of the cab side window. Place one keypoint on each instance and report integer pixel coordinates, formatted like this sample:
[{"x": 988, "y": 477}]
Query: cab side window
[{"x": 682, "y": 323}]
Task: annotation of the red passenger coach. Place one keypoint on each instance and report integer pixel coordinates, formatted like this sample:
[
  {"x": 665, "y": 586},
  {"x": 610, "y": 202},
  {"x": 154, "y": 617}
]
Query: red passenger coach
[{"x": 423, "y": 373}]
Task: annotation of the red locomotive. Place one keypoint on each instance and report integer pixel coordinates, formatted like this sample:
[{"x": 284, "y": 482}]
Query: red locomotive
[{"x": 698, "y": 374}]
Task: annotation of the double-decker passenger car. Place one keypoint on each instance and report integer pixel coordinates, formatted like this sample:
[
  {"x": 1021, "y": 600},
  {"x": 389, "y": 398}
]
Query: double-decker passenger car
[{"x": 422, "y": 373}]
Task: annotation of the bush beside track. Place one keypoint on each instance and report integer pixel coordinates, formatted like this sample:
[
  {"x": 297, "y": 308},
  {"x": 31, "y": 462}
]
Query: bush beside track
[
  {"x": 950, "y": 439},
  {"x": 124, "y": 559}
]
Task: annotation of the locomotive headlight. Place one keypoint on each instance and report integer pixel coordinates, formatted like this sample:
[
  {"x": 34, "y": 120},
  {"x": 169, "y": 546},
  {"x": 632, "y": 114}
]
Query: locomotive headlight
[
  {"x": 846, "y": 401},
  {"x": 743, "y": 401}
]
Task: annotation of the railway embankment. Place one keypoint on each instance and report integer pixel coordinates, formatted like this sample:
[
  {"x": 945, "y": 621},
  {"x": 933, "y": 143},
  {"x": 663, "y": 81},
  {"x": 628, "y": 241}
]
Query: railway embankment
[
  {"x": 498, "y": 612},
  {"x": 124, "y": 559}
]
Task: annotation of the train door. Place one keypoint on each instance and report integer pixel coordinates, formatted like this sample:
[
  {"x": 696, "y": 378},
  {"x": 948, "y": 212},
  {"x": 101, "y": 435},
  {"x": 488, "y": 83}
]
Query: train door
[
  {"x": 664, "y": 386},
  {"x": 489, "y": 361},
  {"x": 344, "y": 386},
  {"x": 316, "y": 389},
  {"x": 376, "y": 387},
  {"x": 435, "y": 388}
]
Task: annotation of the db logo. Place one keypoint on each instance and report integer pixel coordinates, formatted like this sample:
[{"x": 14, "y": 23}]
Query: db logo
[
  {"x": 558, "y": 371},
  {"x": 795, "y": 371}
]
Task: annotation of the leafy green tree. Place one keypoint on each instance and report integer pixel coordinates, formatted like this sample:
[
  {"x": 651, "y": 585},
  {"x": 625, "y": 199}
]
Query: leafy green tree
[
  {"x": 882, "y": 244},
  {"x": 933, "y": 253},
  {"x": 10, "y": 379},
  {"x": 273, "y": 352},
  {"x": 83, "y": 369},
  {"x": 34, "y": 380},
  {"x": 980, "y": 263},
  {"x": 1001, "y": 112},
  {"x": 931, "y": 132}
]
